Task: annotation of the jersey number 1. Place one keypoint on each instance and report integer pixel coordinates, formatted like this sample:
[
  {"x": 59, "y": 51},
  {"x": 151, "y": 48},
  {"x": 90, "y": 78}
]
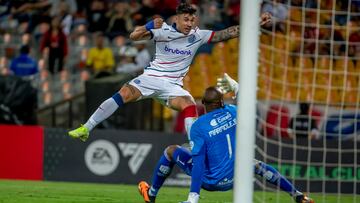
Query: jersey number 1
[{"x": 229, "y": 145}]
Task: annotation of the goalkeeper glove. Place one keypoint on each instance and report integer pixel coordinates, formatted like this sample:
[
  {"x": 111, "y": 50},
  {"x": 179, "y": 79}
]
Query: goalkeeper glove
[
  {"x": 192, "y": 198},
  {"x": 227, "y": 84}
]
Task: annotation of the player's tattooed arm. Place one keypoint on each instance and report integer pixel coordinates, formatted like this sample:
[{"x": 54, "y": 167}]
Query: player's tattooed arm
[
  {"x": 234, "y": 31},
  {"x": 228, "y": 33}
]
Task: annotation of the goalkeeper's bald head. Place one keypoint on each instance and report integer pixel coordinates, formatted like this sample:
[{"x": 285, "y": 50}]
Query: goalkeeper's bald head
[{"x": 213, "y": 99}]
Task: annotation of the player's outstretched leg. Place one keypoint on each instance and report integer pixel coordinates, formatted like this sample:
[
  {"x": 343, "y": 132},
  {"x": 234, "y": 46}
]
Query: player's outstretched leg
[
  {"x": 187, "y": 109},
  {"x": 161, "y": 172},
  {"x": 106, "y": 109},
  {"x": 173, "y": 154},
  {"x": 190, "y": 116},
  {"x": 81, "y": 133},
  {"x": 274, "y": 177}
]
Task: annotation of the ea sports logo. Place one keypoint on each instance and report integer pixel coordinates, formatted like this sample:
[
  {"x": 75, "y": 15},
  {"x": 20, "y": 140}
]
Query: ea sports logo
[{"x": 102, "y": 157}]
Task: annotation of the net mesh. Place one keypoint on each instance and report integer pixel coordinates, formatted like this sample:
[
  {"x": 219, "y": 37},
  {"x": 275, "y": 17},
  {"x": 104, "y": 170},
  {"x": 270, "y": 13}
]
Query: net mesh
[{"x": 310, "y": 59}]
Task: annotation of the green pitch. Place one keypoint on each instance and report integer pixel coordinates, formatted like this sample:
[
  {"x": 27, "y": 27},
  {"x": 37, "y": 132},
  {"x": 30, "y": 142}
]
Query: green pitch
[{"x": 60, "y": 192}]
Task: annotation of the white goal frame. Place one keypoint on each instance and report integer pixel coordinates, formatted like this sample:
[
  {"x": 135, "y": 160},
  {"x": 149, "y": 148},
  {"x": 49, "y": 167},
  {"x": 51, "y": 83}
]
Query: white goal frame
[{"x": 246, "y": 102}]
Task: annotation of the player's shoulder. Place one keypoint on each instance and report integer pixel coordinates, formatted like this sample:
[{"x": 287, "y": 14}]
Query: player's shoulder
[
  {"x": 201, "y": 120},
  {"x": 166, "y": 26},
  {"x": 204, "y": 119},
  {"x": 196, "y": 28},
  {"x": 230, "y": 107},
  {"x": 198, "y": 121},
  {"x": 201, "y": 31}
]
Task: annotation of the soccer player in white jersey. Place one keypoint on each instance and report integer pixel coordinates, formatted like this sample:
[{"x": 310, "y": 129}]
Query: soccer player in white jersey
[{"x": 162, "y": 80}]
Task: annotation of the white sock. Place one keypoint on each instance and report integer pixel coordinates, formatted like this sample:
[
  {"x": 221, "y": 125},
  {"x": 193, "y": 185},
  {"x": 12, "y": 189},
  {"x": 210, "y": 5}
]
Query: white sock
[
  {"x": 188, "y": 123},
  {"x": 296, "y": 193},
  {"x": 106, "y": 109},
  {"x": 152, "y": 192}
]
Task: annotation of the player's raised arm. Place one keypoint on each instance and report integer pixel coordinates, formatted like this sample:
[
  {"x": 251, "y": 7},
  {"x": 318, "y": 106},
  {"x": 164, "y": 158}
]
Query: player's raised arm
[
  {"x": 234, "y": 31},
  {"x": 144, "y": 32},
  {"x": 225, "y": 34}
]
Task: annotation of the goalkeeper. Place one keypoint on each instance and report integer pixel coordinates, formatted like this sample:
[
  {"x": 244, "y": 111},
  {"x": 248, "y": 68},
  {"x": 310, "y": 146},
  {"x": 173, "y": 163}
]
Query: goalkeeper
[{"x": 211, "y": 160}]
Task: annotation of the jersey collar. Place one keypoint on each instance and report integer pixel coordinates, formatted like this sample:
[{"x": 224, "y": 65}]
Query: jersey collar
[{"x": 174, "y": 26}]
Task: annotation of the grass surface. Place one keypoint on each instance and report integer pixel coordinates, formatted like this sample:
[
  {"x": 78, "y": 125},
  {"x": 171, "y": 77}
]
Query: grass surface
[{"x": 49, "y": 192}]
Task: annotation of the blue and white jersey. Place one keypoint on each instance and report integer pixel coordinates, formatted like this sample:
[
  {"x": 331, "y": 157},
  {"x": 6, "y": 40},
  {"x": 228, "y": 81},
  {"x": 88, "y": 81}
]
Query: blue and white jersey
[
  {"x": 175, "y": 52},
  {"x": 214, "y": 134}
]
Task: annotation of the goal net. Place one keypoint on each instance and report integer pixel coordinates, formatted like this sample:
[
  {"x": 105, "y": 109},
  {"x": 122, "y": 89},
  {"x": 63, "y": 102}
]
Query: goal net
[{"x": 308, "y": 98}]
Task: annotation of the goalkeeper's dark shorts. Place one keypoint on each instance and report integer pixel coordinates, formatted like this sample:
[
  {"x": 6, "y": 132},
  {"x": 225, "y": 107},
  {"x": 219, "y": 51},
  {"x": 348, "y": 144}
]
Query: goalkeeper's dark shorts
[{"x": 224, "y": 185}]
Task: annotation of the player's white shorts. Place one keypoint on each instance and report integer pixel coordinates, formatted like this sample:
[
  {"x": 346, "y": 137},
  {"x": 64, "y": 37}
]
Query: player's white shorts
[{"x": 158, "y": 88}]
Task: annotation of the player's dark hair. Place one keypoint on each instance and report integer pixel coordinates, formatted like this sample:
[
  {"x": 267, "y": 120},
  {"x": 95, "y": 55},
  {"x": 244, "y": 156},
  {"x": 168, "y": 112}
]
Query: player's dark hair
[{"x": 186, "y": 8}]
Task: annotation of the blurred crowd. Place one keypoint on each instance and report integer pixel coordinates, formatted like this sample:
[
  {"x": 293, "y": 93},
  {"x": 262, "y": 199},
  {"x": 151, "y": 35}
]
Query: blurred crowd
[
  {"x": 66, "y": 42},
  {"x": 311, "y": 53},
  {"x": 330, "y": 22}
]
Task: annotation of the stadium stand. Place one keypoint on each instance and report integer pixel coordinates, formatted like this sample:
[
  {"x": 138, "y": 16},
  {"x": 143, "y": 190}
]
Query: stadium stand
[{"x": 223, "y": 57}]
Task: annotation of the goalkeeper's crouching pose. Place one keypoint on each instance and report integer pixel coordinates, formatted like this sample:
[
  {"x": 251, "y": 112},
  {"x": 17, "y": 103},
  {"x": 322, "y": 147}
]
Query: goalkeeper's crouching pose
[{"x": 211, "y": 160}]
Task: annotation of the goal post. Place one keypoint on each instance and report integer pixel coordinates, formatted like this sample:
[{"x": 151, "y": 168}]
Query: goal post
[
  {"x": 246, "y": 101},
  {"x": 309, "y": 58}
]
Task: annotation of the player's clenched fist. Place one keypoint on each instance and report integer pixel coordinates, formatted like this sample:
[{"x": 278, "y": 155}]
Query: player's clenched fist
[
  {"x": 158, "y": 23},
  {"x": 154, "y": 24}
]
